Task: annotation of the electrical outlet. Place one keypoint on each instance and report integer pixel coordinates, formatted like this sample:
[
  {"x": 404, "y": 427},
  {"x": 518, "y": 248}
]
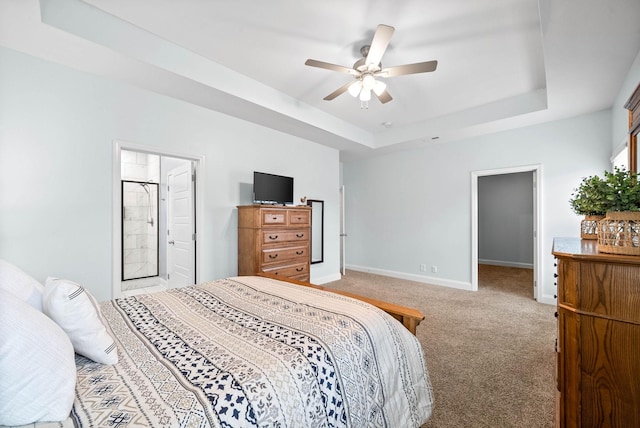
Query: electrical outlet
[
  {"x": 423, "y": 267},
  {"x": 434, "y": 269}
]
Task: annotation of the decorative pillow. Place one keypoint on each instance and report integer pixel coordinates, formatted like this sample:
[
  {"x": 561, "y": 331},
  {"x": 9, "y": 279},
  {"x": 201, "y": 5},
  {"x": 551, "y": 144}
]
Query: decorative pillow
[
  {"x": 37, "y": 365},
  {"x": 20, "y": 284},
  {"x": 77, "y": 312}
]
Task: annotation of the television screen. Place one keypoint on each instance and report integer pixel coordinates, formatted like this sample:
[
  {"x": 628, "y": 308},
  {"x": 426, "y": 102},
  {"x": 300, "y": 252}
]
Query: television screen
[{"x": 272, "y": 189}]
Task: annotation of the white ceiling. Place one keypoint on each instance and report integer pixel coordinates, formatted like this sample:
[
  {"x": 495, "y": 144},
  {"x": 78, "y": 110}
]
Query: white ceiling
[{"x": 501, "y": 63}]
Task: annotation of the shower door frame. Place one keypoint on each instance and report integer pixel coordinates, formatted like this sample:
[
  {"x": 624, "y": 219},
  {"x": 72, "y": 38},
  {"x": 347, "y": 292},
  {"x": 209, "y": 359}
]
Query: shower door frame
[{"x": 157, "y": 229}]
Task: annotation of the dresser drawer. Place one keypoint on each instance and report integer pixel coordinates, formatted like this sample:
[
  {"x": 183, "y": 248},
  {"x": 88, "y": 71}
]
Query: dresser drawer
[
  {"x": 286, "y": 254},
  {"x": 291, "y": 271},
  {"x": 299, "y": 218},
  {"x": 567, "y": 281},
  {"x": 610, "y": 290},
  {"x": 274, "y": 217},
  {"x": 275, "y": 236}
]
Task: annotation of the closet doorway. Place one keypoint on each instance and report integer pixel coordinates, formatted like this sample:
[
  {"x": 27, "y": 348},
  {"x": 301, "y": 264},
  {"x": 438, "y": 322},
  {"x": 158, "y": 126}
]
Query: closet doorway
[
  {"x": 524, "y": 228},
  {"x": 155, "y": 225}
]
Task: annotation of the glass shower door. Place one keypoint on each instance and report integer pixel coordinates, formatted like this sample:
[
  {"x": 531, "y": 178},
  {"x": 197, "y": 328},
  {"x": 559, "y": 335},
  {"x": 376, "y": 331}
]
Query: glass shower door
[{"x": 140, "y": 255}]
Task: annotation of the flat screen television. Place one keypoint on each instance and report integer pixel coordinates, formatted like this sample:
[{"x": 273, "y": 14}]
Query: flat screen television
[{"x": 272, "y": 189}]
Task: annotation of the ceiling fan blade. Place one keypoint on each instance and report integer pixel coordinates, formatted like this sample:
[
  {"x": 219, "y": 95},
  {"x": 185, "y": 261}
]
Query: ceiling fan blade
[
  {"x": 384, "y": 97},
  {"x": 400, "y": 70},
  {"x": 341, "y": 90},
  {"x": 328, "y": 66},
  {"x": 379, "y": 44}
]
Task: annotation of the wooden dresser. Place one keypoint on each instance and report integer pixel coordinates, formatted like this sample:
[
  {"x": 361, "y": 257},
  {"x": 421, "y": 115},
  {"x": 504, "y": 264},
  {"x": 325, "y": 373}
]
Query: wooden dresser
[
  {"x": 275, "y": 240},
  {"x": 598, "y": 336}
]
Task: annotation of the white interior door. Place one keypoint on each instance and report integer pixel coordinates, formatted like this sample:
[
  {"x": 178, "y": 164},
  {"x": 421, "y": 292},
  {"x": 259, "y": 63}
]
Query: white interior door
[
  {"x": 343, "y": 234},
  {"x": 181, "y": 244}
]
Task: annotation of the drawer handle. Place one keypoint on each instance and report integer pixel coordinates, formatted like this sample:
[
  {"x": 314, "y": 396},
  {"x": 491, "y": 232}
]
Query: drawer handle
[
  {"x": 273, "y": 237},
  {"x": 301, "y": 252},
  {"x": 274, "y": 218},
  {"x": 299, "y": 218},
  {"x": 300, "y": 235},
  {"x": 300, "y": 269},
  {"x": 273, "y": 256},
  {"x": 555, "y": 275}
]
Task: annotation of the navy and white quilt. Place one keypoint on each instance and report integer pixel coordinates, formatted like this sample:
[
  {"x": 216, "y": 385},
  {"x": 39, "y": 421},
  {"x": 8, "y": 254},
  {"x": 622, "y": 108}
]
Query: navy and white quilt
[{"x": 253, "y": 352}]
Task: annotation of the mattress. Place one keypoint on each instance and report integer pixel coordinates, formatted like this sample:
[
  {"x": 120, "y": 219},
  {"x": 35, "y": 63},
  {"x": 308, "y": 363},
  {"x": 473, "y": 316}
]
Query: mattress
[{"x": 253, "y": 352}]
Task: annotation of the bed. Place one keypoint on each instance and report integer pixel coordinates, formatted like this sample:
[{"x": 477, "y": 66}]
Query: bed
[{"x": 254, "y": 351}]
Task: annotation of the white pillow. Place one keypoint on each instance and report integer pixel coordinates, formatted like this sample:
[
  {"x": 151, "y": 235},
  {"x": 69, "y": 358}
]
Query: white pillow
[
  {"x": 77, "y": 312},
  {"x": 20, "y": 284},
  {"x": 37, "y": 365}
]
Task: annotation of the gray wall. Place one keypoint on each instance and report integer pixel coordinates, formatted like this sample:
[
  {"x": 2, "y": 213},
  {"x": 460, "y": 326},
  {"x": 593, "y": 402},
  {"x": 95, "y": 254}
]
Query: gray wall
[
  {"x": 57, "y": 132},
  {"x": 414, "y": 207},
  {"x": 505, "y": 219}
]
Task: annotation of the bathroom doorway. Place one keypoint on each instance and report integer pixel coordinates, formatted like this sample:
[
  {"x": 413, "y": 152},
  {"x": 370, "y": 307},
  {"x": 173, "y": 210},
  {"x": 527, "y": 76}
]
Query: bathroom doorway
[{"x": 157, "y": 227}]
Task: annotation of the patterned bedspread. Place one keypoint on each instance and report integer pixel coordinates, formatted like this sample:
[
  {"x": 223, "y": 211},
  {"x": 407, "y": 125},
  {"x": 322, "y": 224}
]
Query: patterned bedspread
[{"x": 250, "y": 351}]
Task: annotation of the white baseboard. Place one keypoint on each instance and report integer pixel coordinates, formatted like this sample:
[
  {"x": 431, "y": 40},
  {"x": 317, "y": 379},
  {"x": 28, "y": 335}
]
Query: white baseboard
[
  {"x": 325, "y": 279},
  {"x": 548, "y": 299},
  {"x": 417, "y": 278},
  {"x": 505, "y": 264}
]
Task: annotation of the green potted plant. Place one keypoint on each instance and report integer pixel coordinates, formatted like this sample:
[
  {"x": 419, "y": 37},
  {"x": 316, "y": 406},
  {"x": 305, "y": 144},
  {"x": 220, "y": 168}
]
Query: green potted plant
[
  {"x": 617, "y": 196},
  {"x": 619, "y": 231},
  {"x": 621, "y": 191},
  {"x": 589, "y": 200}
]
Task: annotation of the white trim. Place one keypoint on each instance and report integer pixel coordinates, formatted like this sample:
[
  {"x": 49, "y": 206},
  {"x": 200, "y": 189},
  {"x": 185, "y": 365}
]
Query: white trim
[
  {"x": 327, "y": 278},
  {"x": 621, "y": 147},
  {"x": 343, "y": 233},
  {"x": 412, "y": 277},
  {"x": 548, "y": 299},
  {"x": 537, "y": 222},
  {"x": 163, "y": 283},
  {"x": 505, "y": 264},
  {"x": 199, "y": 169}
]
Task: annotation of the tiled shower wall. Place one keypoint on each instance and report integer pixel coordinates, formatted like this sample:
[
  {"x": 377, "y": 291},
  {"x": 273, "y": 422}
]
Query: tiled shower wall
[{"x": 140, "y": 237}]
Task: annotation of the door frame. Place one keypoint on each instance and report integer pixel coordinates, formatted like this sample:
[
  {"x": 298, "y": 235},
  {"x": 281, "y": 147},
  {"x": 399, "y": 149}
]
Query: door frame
[
  {"x": 343, "y": 233},
  {"x": 116, "y": 213},
  {"x": 537, "y": 222}
]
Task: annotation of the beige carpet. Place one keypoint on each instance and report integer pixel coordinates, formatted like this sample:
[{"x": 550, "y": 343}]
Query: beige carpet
[{"x": 490, "y": 353}]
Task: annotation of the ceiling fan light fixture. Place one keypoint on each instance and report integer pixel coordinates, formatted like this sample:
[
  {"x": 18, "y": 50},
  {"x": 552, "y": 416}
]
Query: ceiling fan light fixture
[
  {"x": 379, "y": 87},
  {"x": 354, "y": 88},
  {"x": 366, "y": 69},
  {"x": 368, "y": 81},
  {"x": 365, "y": 94}
]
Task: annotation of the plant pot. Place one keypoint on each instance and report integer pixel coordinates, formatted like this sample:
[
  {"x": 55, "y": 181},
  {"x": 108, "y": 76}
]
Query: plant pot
[
  {"x": 589, "y": 226},
  {"x": 619, "y": 233}
]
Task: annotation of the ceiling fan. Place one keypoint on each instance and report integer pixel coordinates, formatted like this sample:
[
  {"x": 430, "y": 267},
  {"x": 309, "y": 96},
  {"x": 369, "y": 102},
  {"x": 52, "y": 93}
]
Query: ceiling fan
[{"x": 369, "y": 67}]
